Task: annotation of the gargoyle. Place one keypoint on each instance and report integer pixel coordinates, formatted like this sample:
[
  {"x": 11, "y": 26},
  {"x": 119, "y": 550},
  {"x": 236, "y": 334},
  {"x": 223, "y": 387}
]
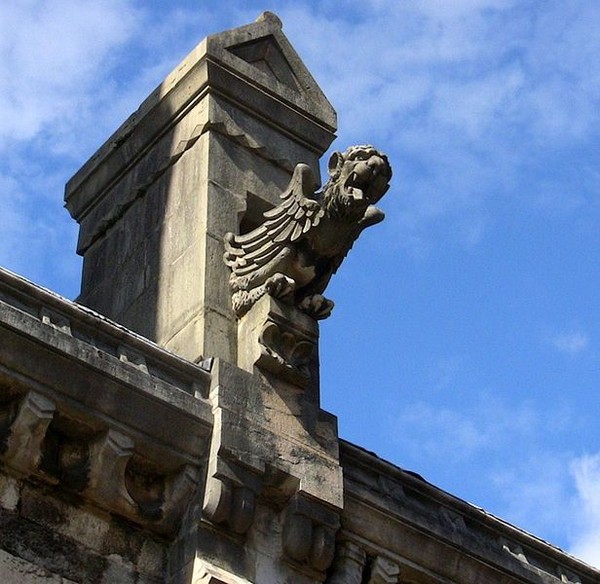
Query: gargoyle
[{"x": 302, "y": 242}]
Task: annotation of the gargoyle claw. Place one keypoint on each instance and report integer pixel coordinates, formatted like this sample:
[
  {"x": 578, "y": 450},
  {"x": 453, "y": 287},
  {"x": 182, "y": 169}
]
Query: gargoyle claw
[
  {"x": 317, "y": 306},
  {"x": 281, "y": 287}
]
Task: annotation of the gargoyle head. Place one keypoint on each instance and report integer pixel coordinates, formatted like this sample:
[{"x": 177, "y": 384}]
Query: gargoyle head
[{"x": 359, "y": 177}]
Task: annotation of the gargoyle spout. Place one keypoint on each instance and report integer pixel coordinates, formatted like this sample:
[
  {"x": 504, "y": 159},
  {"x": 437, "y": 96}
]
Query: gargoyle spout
[{"x": 302, "y": 242}]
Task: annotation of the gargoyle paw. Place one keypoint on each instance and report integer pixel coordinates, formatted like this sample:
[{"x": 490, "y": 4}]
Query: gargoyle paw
[
  {"x": 281, "y": 287},
  {"x": 316, "y": 306}
]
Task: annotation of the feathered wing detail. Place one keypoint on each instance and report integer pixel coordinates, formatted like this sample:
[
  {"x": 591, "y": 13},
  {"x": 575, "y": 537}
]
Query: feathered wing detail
[{"x": 285, "y": 224}]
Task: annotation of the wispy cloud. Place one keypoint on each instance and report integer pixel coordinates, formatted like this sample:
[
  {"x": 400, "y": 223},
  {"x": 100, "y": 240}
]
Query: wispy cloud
[
  {"x": 49, "y": 59},
  {"x": 536, "y": 492},
  {"x": 67, "y": 83},
  {"x": 495, "y": 451},
  {"x": 570, "y": 343},
  {"x": 53, "y": 63},
  {"x": 470, "y": 93},
  {"x": 586, "y": 541},
  {"x": 481, "y": 427}
]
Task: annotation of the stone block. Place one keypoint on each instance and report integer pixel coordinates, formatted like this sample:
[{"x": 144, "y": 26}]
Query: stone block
[
  {"x": 15, "y": 570},
  {"x": 10, "y": 492}
]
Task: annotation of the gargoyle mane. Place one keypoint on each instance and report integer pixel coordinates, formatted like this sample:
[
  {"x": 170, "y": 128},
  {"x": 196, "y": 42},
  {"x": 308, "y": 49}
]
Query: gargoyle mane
[{"x": 353, "y": 183}]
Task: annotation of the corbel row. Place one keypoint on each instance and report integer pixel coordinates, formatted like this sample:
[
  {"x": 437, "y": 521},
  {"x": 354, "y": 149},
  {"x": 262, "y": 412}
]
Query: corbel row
[
  {"x": 308, "y": 526},
  {"x": 103, "y": 467}
]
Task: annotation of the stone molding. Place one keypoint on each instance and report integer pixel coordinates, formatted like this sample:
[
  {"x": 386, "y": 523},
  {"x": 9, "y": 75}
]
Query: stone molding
[
  {"x": 205, "y": 573},
  {"x": 349, "y": 564},
  {"x": 353, "y": 566},
  {"x": 225, "y": 127},
  {"x": 215, "y": 67},
  {"x": 265, "y": 447},
  {"x": 309, "y": 533},
  {"x": 98, "y": 469},
  {"x": 406, "y": 516},
  {"x": 23, "y": 303}
]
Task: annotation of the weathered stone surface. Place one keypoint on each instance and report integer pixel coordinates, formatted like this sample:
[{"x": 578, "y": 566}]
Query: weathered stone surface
[
  {"x": 207, "y": 574},
  {"x": 412, "y": 531},
  {"x": 90, "y": 378},
  {"x": 349, "y": 566},
  {"x": 9, "y": 492},
  {"x": 271, "y": 444},
  {"x": 23, "y": 448},
  {"x": 14, "y": 570}
]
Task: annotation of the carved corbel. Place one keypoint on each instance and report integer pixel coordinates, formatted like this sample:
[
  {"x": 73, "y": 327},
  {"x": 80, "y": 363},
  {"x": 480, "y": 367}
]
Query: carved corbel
[
  {"x": 109, "y": 456},
  {"x": 278, "y": 338},
  {"x": 384, "y": 571},
  {"x": 309, "y": 530},
  {"x": 117, "y": 482},
  {"x": 27, "y": 430},
  {"x": 349, "y": 564},
  {"x": 230, "y": 501}
]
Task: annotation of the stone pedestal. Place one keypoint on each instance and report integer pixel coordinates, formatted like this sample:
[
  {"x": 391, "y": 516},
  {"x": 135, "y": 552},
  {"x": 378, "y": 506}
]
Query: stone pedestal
[{"x": 206, "y": 154}]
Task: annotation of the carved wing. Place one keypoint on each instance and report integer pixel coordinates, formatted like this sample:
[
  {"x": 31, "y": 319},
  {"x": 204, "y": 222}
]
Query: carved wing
[{"x": 285, "y": 224}]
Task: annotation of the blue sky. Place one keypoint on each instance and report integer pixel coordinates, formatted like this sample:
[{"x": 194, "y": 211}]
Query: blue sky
[{"x": 465, "y": 342}]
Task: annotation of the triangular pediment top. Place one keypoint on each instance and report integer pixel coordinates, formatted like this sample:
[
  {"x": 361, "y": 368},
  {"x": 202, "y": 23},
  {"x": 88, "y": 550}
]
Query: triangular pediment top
[
  {"x": 261, "y": 52},
  {"x": 265, "y": 54}
]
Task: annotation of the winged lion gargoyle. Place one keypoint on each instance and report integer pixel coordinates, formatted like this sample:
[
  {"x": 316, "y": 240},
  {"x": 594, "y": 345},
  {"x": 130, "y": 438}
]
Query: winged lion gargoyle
[{"x": 302, "y": 242}]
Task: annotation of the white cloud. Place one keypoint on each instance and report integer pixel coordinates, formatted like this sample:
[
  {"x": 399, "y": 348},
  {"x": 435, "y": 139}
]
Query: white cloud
[
  {"x": 503, "y": 446},
  {"x": 536, "y": 493},
  {"x": 54, "y": 59},
  {"x": 482, "y": 426},
  {"x": 489, "y": 59},
  {"x": 49, "y": 59},
  {"x": 571, "y": 343},
  {"x": 449, "y": 85},
  {"x": 586, "y": 542}
]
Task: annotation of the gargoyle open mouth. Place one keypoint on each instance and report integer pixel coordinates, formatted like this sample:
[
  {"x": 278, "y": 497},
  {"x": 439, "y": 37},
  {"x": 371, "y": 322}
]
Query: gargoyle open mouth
[
  {"x": 356, "y": 184},
  {"x": 366, "y": 182}
]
